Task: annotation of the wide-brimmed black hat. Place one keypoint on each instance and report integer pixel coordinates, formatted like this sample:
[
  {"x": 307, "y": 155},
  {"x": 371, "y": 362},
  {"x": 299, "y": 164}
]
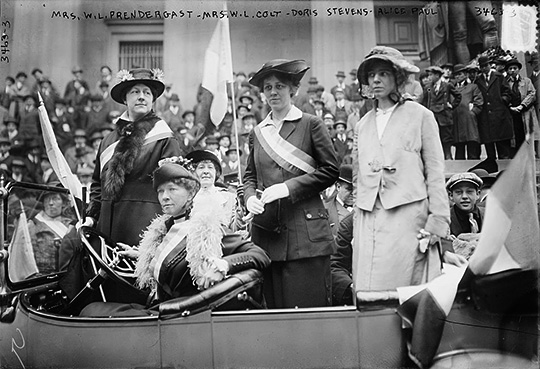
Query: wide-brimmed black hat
[
  {"x": 200, "y": 155},
  {"x": 151, "y": 78},
  {"x": 170, "y": 170},
  {"x": 295, "y": 69}
]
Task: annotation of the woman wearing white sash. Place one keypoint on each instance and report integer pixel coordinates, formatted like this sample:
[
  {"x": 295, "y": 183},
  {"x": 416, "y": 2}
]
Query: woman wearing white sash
[
  {"x": 291, "y": 160},
  {"x": 46, "y": 230}
]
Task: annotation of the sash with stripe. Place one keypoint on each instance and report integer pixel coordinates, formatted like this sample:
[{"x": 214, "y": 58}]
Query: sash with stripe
[
  {"x": 170, "y": 248},
  {"x": 56, "y": 226},
  {"x": 160, "y": 131},
  {"x": 285, "y": 154}
]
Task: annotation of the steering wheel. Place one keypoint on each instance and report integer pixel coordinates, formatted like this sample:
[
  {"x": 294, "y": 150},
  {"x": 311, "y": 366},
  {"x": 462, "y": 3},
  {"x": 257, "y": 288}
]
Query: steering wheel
[{"x": 94, "y": 240}]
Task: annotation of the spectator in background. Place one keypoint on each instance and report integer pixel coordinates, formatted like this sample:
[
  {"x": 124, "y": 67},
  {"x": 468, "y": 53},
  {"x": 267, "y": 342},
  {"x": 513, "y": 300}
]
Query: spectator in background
[
  {"x": 343, "y": 107},
  {"x": 80, "y": 152},
  {"x": 466, "y": 137},
  {"x": 8, "y": 92},
  {"x": 162, "y": 102},
  {"x": 340, "y": 139},
  {"x": 494, "y": 122},
  {"x": 5, "y": 156},
  {"x": 63, "y": 124},
  {"x": 521, "y": 104},
  {"x": 97, "y": 114},
  {"x": 448, "y": 72},
  {"x": 340, "y": 204},
  {"x": 105, "y": 78},
  {"x": 195, "y": 131},
  {"x": 29, "y": 126},
  {"x": 48, "y": 175},
  {"x": 12, "y": 130},
  {"x": 442, "y": 99},
  {"x": 341, "y": 265},
  {"x": 19, "y": 171},
  {"x": 77, "y": 86},
  {"x": 173, "y": 114},
  {"x": 355, "y": 88},
  {"x": 340, "y": 76},
  {"x": 78, "y": 100},
  {"x": 288, "y": 221},
  {"x": 48, "y": 94},
  {"x": 19, "y": 90},
  {"x": 535, "y": 79},
  {"x": 326, "y": 97}
]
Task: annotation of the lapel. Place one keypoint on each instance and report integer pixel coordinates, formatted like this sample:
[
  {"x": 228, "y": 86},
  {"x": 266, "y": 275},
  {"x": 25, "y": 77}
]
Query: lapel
[
  {"x": 288, "y": 128},
  {"x": 491, "y": 79}
]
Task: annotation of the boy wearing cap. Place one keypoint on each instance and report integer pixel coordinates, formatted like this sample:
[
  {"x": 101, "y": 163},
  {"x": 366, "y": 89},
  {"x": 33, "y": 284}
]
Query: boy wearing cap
[
  {"x": 340, "y": 139},
  {"x": 465, "y": 215},
  {"x": 340, "y": 204}
]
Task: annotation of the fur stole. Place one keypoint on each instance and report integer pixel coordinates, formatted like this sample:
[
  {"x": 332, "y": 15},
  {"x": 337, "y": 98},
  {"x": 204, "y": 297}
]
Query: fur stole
[
  {"x": 132, "y": 135},
  {"x": 203, "y": 244}
]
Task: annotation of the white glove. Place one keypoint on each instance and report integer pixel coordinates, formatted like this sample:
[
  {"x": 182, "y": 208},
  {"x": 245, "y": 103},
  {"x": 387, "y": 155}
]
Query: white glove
[{"x": 254, "y": 205}]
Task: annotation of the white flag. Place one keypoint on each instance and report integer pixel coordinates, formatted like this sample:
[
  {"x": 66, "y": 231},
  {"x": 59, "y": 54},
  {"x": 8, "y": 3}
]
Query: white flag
[{"x": 218, "y": 70}]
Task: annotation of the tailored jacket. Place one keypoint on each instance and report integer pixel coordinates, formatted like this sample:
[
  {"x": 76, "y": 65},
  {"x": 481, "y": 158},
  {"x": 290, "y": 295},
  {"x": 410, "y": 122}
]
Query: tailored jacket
[
  {"x": 124, "y": 217},
  {"x": 527, "y": 93},
  {"x": 406, "y": 165},
  {"x": 336, "y": 213},
  {"x": 305, "y": 230},
  {"x": 437, "y": 102},
  {"x": 495, "y": 121},
  {"x": 341, "y": 263}
]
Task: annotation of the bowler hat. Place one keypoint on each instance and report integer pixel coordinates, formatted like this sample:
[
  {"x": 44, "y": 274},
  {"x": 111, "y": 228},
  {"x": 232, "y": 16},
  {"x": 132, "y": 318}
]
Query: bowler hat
[
  {"x": 353, "y": 71},
  {"x": 513, "y": 61},
  {"x": 76, "y": 69},
  {"x": 295, "y": 69},
  {"x": 486, "y": 178},
  {"x": 312, "y": 89},
  {"x": 174, "y": 97},
  {"x": 339, "y": 89},
  {"x": 200, "y": 155},
  {"x": 246, "y": 96},
  {"x": 313, "y": 81},
  {"x": 170, "y": 170},
  {"x": 328, "y": 116},
  {"x": 186, "y": 113},
  {"x": 233, "y": 150},
  {"x": 388, "y": 54},
  {"x": 483, "y": 61},
  {"x": 127, "y": 79},
  {"x": 340, "y": 74},
  {"x": 467, "y": 177},
  {"x": 345, "y": 173},
  {"x": 96, "y": 135}
]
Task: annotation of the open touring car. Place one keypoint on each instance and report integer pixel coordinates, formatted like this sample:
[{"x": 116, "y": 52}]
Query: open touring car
[{"x": 493, "y": 321}]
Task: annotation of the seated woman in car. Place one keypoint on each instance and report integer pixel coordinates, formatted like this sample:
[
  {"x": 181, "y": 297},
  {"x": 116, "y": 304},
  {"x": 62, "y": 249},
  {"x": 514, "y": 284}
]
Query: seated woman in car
[{"x": 186, "y": 249}]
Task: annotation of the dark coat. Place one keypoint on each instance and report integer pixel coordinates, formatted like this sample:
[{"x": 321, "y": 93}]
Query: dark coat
[
  {"x": 303, "y": 220},
  {"x": 465, "y": 124},
  {"x": 437, "y": 102},
  {"x": 341, "y": 264},
  {"x": 495, "y": 122},
  {"x": 341, "y": 148},
  {"x": 336, "y": 213},
  {"x": 123, "y": 218}
]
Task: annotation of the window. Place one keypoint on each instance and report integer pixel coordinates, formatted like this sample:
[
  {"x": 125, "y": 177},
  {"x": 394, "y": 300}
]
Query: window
[{"x": 140, "y": 54}]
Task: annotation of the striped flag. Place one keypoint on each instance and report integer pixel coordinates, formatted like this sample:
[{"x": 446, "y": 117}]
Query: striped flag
[
  {"x": 57, "y": 159},
  {"x": 218, "y": 69},
  {"x": 510, "y": 233},
  {"x": 22, "y": 263}
]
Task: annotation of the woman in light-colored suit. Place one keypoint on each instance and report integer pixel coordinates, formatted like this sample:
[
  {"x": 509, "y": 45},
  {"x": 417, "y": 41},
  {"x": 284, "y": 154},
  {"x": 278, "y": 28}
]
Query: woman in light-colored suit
[{"x": 398, "y": 171}]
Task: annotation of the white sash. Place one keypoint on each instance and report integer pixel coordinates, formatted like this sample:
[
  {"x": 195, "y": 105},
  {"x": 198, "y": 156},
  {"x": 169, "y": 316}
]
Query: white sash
[
  {"x": 173, "y": 238},
  {"x": 55, "y": 225},
  {"x": 161, "y": 130}
]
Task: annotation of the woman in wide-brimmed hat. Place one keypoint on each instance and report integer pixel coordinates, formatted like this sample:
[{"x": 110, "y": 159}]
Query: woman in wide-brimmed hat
[
  {"x": 401, "y": 201},
  {"x": 291, "y": 160},
  {"x": 122, "y": 201}
]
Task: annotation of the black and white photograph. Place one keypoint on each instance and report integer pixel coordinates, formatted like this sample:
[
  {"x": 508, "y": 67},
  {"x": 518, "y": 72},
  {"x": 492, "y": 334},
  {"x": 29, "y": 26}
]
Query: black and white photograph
[{"x": 282, "y": 184}]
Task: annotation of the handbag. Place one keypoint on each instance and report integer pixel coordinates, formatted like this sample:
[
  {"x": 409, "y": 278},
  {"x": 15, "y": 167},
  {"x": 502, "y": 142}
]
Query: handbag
[{"x": 269, "y": 218}]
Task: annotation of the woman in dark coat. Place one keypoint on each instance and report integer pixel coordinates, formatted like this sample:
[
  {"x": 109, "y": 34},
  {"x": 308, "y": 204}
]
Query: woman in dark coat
[
  {"x": 122, "y": 200},
  {"x": 291, "y": 160}
]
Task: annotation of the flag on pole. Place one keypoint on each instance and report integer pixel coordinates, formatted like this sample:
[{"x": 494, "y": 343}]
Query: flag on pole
[
  {"x": 510, "y": 232},
  {"x": 218, "y": 69},
  {"x": 57, "y": 159},
  {"x": 22, "y": 263}
]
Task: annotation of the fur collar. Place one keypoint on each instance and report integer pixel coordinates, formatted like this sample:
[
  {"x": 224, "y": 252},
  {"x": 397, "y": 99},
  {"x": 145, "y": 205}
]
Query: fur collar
[
  {"x": 132, "y": 135},
  {"x": 203, "y": 244}
]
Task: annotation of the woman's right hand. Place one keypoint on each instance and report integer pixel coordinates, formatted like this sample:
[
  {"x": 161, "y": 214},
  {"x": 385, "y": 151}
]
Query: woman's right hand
[
  {"x": 131, "y": 252},
  {"x": 255, "y": 206},
  {"x": 88, "y": 222}
]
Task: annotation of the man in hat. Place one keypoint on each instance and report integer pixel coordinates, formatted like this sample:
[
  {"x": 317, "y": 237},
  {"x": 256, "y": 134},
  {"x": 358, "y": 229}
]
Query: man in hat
[
  {"x": 535, "y": 79},
  {"x": 355, "y": 93},
  {"x": 340, "y": 204},
  {"x": 80, "y": 152},
  {"x": 329, "y": 120},
  {"x": 29, "y": 125},
  {"x": 195, "y": 130},
  {"x": 466, "y": 138},
  {"x": 48, "y": 175},
  {"x": 326, "y": 97},
  {"x": 122, "y": 202},
  {"x": 173, "y": 114},
  {"x": 346, "y": 89},
  {"x": 12, "y": 129},
  {"x": 232, "y": 162},
  {"x": 92, "y": 119},
  {"x": 521, "y": 104},
  {"x": 442, "y": 99},
  {"x": 487, "y": 182},
  {"x": 340, "y": 139},
  {"x": 19, "y": 170},
  {"x": 494, "y": 122},
  {"x": 48, "y": 93},
  {"x": 448, "y": 72},
  {"x": 5, "y": 157},
  {"x": 343, "y": 107},
  {"x": 76, "y": 83}
]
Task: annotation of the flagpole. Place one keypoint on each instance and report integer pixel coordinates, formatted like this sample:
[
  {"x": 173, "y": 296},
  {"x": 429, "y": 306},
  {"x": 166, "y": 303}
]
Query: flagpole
[{"x": 235, "y": 119}]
